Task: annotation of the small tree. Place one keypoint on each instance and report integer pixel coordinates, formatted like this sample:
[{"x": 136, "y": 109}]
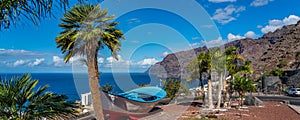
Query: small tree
[
  {"x": 197, "y": 67},
  {"x": 242, "y": 85},
  {"x": 20, "y": 100},
  {"x": 171, "y": 86},
  {"x": 236, "y": 65}
]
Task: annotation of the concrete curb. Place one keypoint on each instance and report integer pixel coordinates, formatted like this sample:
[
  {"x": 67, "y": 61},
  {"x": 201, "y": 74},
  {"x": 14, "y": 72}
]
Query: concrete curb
[
  {"x": 258, "y": 102},
  {"x": 295, "y": 108}
]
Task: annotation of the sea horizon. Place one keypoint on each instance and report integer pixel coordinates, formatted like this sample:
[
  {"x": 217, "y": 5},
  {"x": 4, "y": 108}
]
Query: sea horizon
[{"x": 73, "y": 85}]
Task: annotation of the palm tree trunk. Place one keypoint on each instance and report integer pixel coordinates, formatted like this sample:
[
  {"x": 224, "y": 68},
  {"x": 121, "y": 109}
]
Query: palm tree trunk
[
  {"x": 202, "y": 89},
  {"x": 219, "y": 92},
  {"x": 224, "y": 93},
  {"x": 93, "y": 74},
  {"x": 210, "y": 100},
  {"x": 242, "y": 98}
]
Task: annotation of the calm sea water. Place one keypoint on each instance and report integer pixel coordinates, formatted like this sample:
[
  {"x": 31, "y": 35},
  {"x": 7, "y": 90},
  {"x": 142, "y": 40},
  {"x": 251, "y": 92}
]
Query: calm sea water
[{"x": 74, "y": 84}]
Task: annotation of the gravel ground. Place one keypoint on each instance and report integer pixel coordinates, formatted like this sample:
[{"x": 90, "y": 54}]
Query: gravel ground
[{"x": 271, "y": 111}]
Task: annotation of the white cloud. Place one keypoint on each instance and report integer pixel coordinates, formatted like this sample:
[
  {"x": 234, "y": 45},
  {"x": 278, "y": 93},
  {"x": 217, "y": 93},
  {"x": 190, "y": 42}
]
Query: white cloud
[
  {"x": 23, "y": 62},
  {"x": 259, "y": 26},
  {"x": 11, "y": 51},
  {"x": 112, "y": 59},
  {"x": 76, "y": 59},
  {"x": 57, "y": 61},
  {"x": 36, "y": 62},
  {"x": 215, "y": 42},
  {"x": 147, "y": 61},
  {"x": 208, "y": 43},
  {"x": 195, "y": 45},
  {"x": 164, "y": 54},
  {"x": 19, "y": 62},
  {"x": 257, "y": 3},
  {"x": 232, "y": 37},
  {"x": 275, "y": 24},
  {"x": 133, "y": 20},
  {"x": 227, "y": 14},
  {"x": 15, "y": 54},
  {"x": 100, "y": 60},
  {"x": 250, "y": 34},
  {"x": 112, "y": 62},
  {"x": 219, "y": 1}
]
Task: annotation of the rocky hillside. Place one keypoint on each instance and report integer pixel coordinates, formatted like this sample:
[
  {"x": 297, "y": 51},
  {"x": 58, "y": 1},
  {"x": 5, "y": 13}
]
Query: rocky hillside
[
  {"x": 284, "y": 52},
  {"x": 174, "y": 65},
  {"x": 279, "y": 49}
]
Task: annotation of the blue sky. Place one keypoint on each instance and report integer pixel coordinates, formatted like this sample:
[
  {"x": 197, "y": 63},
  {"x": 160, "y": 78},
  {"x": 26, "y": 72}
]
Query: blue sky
[{"x": 152, "y": 30}]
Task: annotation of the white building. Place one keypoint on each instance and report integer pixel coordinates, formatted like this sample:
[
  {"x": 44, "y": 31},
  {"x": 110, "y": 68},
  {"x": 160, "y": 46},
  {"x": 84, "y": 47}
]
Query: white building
[{"x": 86, "y": 99}]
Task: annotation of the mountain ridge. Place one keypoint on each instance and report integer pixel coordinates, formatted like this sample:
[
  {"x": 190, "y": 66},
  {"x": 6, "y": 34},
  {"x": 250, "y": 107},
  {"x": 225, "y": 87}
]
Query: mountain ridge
[{"x": 274, "y": 50}]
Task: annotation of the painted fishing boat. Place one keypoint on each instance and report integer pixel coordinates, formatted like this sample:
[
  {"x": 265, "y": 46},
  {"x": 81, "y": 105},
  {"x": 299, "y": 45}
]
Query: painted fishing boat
[{"x": 137, "y": 102}]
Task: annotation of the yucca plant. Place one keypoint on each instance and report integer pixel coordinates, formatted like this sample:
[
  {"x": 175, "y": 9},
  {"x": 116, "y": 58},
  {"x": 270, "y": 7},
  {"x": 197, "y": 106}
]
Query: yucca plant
[{"x": 21, "y": 100}]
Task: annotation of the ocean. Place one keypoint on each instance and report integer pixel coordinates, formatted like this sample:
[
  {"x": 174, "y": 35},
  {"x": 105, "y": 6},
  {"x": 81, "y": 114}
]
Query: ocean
[{"x": 74, "y": 84}]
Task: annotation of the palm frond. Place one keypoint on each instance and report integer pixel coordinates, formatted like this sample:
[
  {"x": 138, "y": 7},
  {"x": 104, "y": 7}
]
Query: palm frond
[
  {"x": 86, "y": 24},
  {"x": 13, "y": 11},
  {"x": 18, "y": 95}
]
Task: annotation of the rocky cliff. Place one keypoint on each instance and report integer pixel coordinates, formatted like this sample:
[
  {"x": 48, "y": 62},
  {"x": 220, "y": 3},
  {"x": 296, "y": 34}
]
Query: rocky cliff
[
  {"x": 174, "y": 65},
  {"x": 279, "y": 49}
]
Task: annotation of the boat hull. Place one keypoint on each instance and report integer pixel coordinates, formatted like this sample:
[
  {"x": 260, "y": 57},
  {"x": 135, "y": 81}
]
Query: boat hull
[{"x": 120, "y": 104}]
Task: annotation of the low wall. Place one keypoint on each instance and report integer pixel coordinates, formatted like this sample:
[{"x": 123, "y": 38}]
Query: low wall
[{"x": 253, "y": 101}]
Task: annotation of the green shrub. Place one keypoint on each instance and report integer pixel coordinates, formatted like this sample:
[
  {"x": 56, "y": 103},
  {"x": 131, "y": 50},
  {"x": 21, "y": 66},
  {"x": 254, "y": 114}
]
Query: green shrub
[
  {"x": 171, "y": 86},
  {"x": 282, "y": 63},
  {"x": 107, "y": 87},
  {"x": 277, "y": 72}
]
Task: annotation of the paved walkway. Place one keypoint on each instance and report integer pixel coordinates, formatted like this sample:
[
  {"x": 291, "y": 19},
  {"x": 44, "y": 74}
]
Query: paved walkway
[{"x": 170, "y": 112}]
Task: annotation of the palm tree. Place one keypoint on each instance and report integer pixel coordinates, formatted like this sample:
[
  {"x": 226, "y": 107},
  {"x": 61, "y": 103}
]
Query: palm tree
[
  {"x": 19, "y": 99},
  {"x": 201, "y": 64},
  {"x": 242, "y": 85},
  {"x": 235, "y": 64},
  {"x": 218, "y": 64},
  {"x": 86, "y": 30}
]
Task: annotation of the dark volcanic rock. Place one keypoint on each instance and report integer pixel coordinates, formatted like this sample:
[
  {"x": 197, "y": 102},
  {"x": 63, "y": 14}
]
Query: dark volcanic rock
[
  {"x": 275, "y": 50},
  {"x": 294, "y": 79},
  {"x": 174, "y": 65},
  {"x": 284, "y": 51}
]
